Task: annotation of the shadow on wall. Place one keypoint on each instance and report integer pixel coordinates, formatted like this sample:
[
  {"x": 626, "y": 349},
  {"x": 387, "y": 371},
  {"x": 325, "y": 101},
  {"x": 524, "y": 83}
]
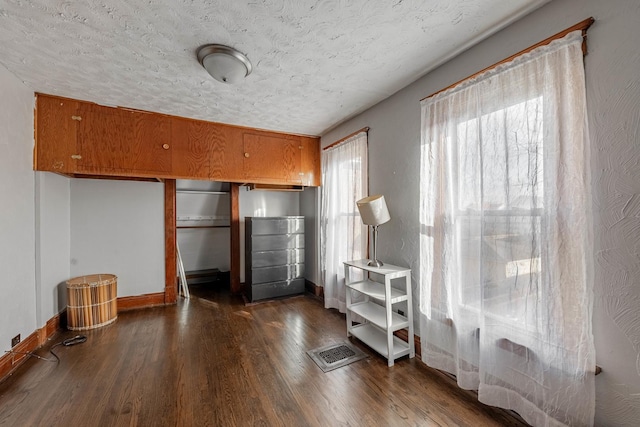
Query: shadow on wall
[{"x": 60, "y": 296}]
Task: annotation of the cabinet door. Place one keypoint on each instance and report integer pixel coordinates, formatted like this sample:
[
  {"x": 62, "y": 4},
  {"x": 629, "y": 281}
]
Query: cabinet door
[
  {"x": 225, "y": 153},
  {"x": 206, "y": 150},
  {"x": 310, "y": 168},
  {"x": 272, "y": 159},
  {"x": 130, "y": 143},
  {"x": 56, "y": 127},
  {"x": 191, "y": 141}
]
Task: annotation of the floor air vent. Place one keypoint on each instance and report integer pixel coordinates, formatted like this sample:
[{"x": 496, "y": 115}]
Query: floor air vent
[{"x": 335, "y": 356}]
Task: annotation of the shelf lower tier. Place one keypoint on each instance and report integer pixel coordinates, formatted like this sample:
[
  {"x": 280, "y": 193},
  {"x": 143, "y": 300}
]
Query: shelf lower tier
[
  {"x": 377, "y": 340},
  {"x": 377, "y": 315}
]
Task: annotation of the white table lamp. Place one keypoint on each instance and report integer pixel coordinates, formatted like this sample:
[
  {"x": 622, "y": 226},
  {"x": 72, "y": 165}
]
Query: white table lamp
[{"x": 374, "y": 212}]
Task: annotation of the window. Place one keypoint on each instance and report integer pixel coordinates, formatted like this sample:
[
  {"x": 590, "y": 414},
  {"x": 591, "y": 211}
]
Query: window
[
  {"x": 505, "y": 279},
  {"x": 498, "y": 214},
  {"x": 343, "y": 237}
]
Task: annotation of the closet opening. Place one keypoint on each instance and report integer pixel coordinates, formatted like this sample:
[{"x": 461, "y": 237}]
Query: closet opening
[{"x": 204, "y": 236}]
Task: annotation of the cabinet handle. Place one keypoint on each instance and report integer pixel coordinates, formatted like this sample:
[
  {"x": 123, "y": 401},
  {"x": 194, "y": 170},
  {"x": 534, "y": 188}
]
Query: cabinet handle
[
  {"x": 246, "y": 154},
  {"x": 78, "y": 118},
  {"x": 165, "y": 146},
  {"x": 76, "y": 156}
]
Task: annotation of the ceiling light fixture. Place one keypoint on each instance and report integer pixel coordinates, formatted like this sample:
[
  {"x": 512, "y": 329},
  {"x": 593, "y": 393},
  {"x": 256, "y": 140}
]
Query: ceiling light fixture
[{"x": 224, "y": 63}]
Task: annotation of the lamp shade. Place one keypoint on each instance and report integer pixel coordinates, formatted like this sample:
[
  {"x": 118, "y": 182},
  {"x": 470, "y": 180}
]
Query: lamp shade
[
  {"x": 224, "y": 63},
  {"x": 373, "y": 210}
]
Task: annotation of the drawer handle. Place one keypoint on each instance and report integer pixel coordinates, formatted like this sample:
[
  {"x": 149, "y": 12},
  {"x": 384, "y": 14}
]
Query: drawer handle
[
  {"x": 76, "y": 156},
  {"x": 77, "y": 118},
  {"x": 246, "y": 154},
  {"x": 165, "y": 146}
]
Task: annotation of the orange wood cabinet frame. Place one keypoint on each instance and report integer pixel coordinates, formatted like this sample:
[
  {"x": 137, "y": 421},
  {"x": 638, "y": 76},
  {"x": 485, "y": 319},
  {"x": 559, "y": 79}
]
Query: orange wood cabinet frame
[{"x": 78, "y": 138}]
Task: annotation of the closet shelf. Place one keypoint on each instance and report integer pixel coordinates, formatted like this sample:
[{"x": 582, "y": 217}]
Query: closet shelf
[
  {"x": 201, "y": 192},
  {"x": 202, "y": 226},
  {"x": 198, "y": 221},
  {"x": 203, "y": 218}
]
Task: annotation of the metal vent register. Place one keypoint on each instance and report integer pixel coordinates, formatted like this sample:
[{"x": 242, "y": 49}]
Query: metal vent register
[{"x": 335, "y": 356}]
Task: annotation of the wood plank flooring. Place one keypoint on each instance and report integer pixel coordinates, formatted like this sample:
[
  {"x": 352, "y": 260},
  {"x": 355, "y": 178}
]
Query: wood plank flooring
[{"x": 212, "y": 361}]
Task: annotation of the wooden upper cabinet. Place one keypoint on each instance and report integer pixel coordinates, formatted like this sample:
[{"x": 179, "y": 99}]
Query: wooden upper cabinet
[
  {"x": 124, "y": 141},
  {"x": 55, "y": 133},
  {"x": 75, "y": 137}
]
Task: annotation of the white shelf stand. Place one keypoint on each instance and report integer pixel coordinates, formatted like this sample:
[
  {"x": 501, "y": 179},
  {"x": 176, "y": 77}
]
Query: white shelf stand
[{"x": 381, "y": 321}]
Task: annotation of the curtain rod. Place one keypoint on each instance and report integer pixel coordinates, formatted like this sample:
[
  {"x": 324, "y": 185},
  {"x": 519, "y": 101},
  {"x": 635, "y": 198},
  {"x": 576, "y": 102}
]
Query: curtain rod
[
  {"x": 364, "y": 129},
  {"x": 583, "y": 25}
]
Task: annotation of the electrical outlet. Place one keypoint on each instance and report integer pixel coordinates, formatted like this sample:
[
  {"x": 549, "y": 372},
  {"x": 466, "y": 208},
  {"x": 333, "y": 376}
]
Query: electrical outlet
[
  {"x": 400, "y": 312},
  {"x": 15, "y": 340}
]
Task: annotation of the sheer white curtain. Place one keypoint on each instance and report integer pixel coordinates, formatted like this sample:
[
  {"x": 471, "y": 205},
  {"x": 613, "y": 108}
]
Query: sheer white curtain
[
  {"x": 506, "y": 246},
  {"x": 343, "y": 237}
]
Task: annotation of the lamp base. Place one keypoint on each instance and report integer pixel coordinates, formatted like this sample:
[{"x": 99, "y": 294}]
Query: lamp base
[{"x": 375, "y": 263}]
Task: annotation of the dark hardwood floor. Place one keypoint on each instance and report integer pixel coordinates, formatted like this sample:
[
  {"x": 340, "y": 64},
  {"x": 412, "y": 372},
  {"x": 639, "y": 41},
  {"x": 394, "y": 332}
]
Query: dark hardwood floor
[{"x": 214, "y": 361}]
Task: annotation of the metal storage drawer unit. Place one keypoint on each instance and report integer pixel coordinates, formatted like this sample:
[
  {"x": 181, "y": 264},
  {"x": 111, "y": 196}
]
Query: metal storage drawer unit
[{"x": 274, "y": 256}]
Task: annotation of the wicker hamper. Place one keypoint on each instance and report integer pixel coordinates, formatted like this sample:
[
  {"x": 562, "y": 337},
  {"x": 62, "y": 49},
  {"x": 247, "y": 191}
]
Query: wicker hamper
[{"x": 91, "y": 301}]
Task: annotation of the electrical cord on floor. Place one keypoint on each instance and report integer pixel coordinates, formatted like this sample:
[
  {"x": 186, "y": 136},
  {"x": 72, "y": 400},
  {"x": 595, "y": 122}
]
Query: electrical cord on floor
[{"x": 78, "y": 339}]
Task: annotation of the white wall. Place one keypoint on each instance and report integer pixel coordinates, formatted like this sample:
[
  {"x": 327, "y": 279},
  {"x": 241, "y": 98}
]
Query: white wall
[
  {"x": 613, "y": 97},
  {"x": 17, "y": 214},
  {"x": 264, "y": 203},
  {"x": 117, "y": 227},
  {"x": 53, "y": 244}
]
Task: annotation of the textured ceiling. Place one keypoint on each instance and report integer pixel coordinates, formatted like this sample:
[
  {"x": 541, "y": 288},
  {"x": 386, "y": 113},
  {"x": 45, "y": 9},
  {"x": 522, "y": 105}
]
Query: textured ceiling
[{"x": 316, "y": 63}]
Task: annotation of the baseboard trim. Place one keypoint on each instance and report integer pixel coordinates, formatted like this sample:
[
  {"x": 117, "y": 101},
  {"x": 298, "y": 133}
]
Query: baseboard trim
[
  {"x": 53, "y": 325},
  {"x": 141, "y": 301},
  {"x": 316, "y": 290},
  {"x": 9, "y": 362}
]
